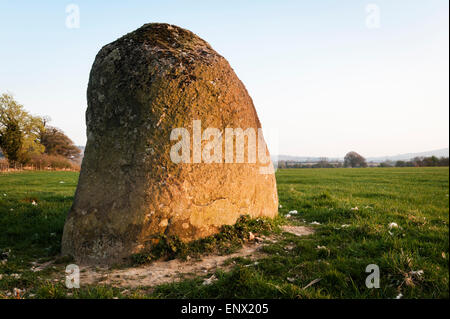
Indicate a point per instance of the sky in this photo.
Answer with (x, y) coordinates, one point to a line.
(326, 76)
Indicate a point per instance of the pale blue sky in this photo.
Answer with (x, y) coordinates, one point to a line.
(316, 72)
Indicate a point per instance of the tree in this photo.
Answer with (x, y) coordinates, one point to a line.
(57, 143)
(401, 164)
(431, 161)
(323, 163)
(353, 159)
(417, 161)
(11, 141)
(19, 131)
(443, 161)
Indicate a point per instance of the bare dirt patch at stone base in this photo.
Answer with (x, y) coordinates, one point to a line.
(298, 230)
(160, 272)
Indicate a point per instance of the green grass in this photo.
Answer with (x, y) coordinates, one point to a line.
(414, 198)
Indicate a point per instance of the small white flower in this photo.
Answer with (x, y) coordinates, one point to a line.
(209, 281)
(293, 212)
(417, 273)
(17, 292)
(354, 208)
(281, 206)
(393, 225)
(345, 226)
(33, 203)
(399, 296)
(315, 223)
(288, 216)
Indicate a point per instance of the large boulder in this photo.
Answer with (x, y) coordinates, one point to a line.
(151, 95)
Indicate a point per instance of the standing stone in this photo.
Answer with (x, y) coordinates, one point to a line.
(130, 191)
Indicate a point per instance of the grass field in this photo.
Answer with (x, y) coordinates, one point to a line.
(350, 210)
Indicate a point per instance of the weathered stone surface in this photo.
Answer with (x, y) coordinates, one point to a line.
(130, 192)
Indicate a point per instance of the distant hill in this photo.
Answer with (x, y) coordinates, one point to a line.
(307, 159)
(443, 152)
